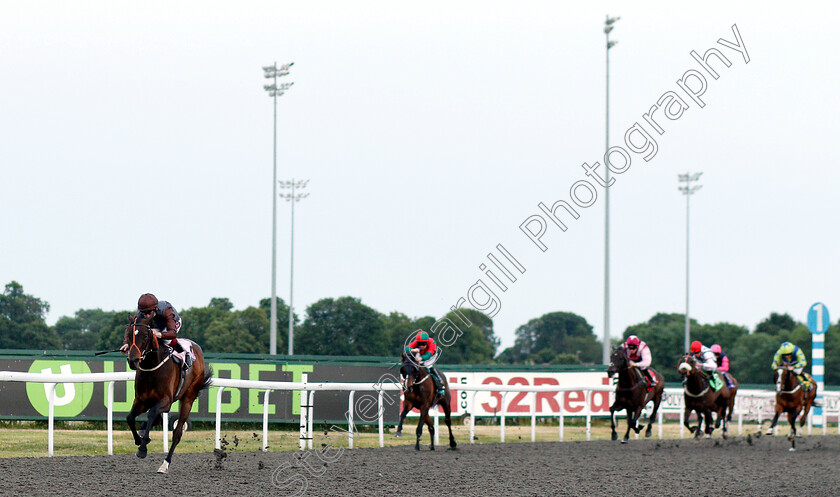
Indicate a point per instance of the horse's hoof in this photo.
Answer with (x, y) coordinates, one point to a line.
(141, 453)
(453, 445)
(769, 432)
(615, 436)
(792, 449)
(417, 447)
(648, 434)
(625, 440)
(397, 435)
(432, 447)
(708, 435)
(164, 468)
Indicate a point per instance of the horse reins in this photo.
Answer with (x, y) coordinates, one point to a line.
(705, 390)
(134, 345)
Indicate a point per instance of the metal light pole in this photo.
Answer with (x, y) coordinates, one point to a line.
(688, 190)
(608, 26)
(275, 91)
(293, 197)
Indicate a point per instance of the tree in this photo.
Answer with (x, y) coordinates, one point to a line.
(342, 326)
(22, 324)
(82, 331)
(542, 339)
(282, 321)
(477, 343)
(245, 331)
(776, 324)
(112, 334)
(665, 335)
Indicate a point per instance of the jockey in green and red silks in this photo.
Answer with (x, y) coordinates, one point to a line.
(423, 348)
(424, 344)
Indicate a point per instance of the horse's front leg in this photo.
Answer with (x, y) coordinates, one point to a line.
(775, 420)
(403, 414)
(792, 420)
(687, 420)
(431, 429)
(613, 409)
(631, 424)
(424, 413)
(709, 426)
(151, 418)
(130, 419)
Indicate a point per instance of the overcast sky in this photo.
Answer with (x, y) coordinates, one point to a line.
(136, 155)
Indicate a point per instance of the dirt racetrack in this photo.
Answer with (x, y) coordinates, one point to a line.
(740, 466)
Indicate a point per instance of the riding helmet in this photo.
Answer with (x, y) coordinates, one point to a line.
(422, 337)
(696, 346)
(633, 340)
(716, 349)
(786, 348)
(147, 302)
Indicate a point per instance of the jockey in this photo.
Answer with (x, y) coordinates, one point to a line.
(722, 363)
(708, 361)
(165, 324)
(790, 354)
(423, 348)
(638, 353)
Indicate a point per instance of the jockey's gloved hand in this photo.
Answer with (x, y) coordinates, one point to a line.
(124, 348)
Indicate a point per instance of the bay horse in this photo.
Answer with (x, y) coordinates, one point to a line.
(419, 392)
(792, 399)
(701, 398)
(632, 395)
(158, 383)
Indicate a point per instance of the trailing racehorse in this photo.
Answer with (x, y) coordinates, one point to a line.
(419, 392)
(632, 395)
(792, 399)
(702, 398)
(159, 382)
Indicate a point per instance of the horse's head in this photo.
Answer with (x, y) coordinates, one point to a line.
(618, 361)
(687, 365)
(408, 371)
(143, 339)
(784, 378)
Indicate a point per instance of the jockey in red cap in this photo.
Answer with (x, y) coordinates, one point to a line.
(638, 353)
(708, 362)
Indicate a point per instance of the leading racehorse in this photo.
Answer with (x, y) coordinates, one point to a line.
(702, 398)
(159, 382)
(791, 398)
(419, 392)
(632, 395)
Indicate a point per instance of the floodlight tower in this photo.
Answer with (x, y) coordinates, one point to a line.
(688, 190)
(293, 197)
(274, 91)
(608, 26)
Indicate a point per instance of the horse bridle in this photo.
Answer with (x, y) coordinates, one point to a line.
(414, 374)
(626, 366)
(148, 348)
(685, 387)
(779, 382)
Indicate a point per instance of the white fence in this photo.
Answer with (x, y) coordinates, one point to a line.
(751, 405)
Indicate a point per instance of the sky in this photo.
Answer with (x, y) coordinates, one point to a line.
(136, 155)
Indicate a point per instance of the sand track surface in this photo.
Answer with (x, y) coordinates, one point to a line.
(739, 466)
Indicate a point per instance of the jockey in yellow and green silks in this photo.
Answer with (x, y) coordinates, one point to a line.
(791, 355)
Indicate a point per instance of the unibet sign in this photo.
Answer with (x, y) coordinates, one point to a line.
(70, 398)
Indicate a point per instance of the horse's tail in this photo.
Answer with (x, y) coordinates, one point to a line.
(208, 378)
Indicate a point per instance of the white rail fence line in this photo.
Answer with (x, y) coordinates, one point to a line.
(750, 404)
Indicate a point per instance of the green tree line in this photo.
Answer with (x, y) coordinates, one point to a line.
(345, 326)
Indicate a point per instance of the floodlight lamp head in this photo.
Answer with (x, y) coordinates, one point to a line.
(611, 20)
(269, 68)
(611, 44)
(608, 29)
